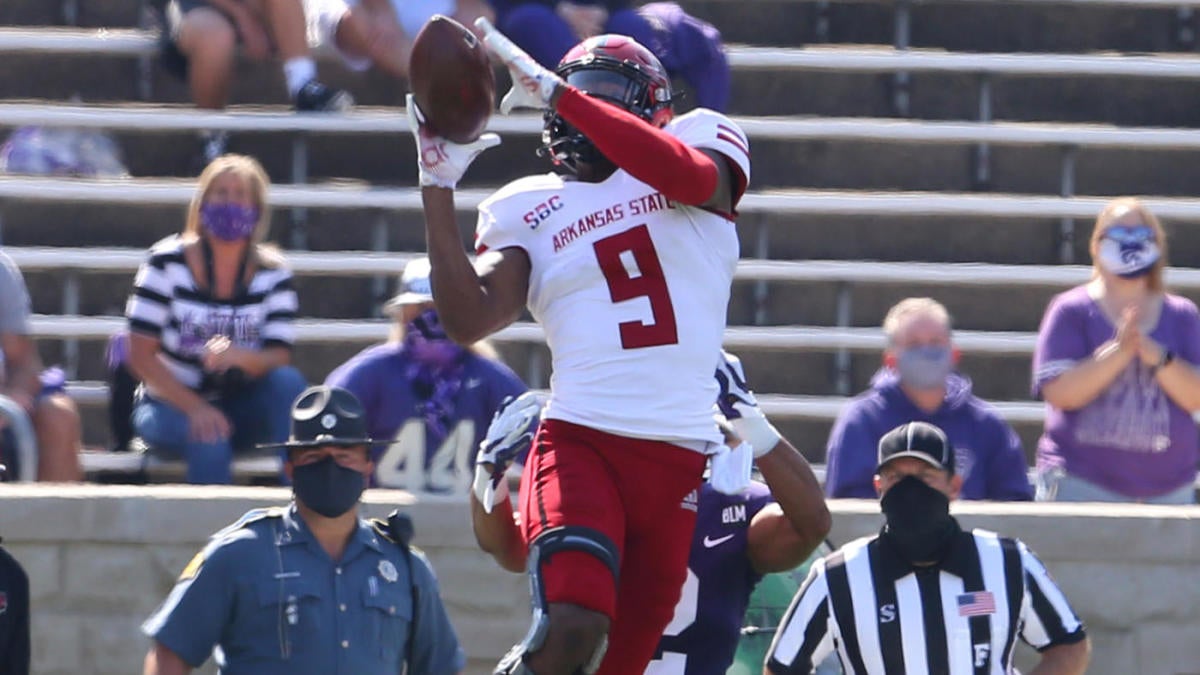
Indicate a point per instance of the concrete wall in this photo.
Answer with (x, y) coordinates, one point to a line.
(101, 557)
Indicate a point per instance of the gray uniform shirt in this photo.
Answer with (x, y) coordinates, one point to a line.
(267, 594)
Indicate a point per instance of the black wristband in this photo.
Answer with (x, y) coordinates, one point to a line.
(1164, 359)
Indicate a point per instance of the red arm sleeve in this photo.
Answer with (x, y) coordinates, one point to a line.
(658, 159)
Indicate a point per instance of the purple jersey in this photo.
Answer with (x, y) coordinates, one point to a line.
(703, 635)
(444, 460)
(1132, 438)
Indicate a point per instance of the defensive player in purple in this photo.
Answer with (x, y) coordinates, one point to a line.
(738, 538)
(431, 397)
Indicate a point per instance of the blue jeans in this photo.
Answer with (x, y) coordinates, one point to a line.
(1056, 485)
(261, 413)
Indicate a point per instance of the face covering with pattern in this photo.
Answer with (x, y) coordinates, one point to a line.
(924, 367)
(435, 370)
(327, 487)
(1130, 258)
(228, 221)
(919, 525)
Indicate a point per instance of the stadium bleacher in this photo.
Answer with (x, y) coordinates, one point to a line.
(985, 181)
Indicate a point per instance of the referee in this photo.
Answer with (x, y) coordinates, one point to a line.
(924, 596)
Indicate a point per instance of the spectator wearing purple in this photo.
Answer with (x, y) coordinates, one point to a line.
(1116, 364)
(918, 382)
(431, 399)
(688, 47)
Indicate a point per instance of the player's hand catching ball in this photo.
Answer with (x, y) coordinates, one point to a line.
(440, 162)
(533, 85)
(508, 436)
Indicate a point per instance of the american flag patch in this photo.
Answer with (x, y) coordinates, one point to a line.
(979, 603)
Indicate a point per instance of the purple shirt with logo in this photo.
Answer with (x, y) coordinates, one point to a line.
(987, 452)
(445, 462)
(1132, 439)
(703, 635)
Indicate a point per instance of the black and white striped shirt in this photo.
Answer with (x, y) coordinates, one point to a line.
(167, 304)
(959, 617)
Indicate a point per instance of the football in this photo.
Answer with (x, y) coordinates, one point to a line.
(452, 80)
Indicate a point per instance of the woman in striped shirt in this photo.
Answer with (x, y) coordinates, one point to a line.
(210, 320)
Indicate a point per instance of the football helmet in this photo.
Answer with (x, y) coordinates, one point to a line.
(616, 69)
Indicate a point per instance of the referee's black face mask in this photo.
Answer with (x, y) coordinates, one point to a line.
(918, 520)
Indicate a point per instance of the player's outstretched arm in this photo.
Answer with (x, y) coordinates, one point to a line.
(658, 159)
(471, 304)
(784, 534)
(498, 535)
(508, 438)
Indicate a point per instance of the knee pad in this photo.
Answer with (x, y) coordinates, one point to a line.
(566, 538)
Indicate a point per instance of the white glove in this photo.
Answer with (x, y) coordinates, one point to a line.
(509, 435)
(533, 85)
(730, 468)
(440, 162)
(737, 403)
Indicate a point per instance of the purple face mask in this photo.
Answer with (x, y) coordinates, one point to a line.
(425, 339)
(228, 221)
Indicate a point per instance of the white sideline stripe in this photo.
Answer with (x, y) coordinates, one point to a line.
(151, 191)
(371, 263)
(44, 326)
(392, 120)
(134, 42)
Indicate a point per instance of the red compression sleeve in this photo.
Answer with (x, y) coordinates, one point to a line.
(658, 159)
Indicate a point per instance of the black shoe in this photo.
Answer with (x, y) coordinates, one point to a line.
(316, 97)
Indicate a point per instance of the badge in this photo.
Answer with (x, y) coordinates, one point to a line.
(328, 420)
(388, 571)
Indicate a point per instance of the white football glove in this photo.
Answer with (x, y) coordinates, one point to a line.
(738, 404)
(730, 468)
(533, 85)
(442, 163)
(509, 435)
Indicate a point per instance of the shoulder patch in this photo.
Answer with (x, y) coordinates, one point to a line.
(250, 517)
(193, 566)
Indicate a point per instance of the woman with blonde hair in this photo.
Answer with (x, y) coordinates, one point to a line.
(1116, 364)
(211, 334)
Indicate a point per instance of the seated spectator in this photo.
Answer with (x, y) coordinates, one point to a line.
(41, 394)
(210, 322)
(918, 382)
(1116, 364)
(381, 32)
(688, 48)
(199, 43)
(430, 397)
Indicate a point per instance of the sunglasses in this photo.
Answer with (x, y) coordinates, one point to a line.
(1129, 233)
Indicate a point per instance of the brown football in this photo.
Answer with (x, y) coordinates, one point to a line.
(452, 80)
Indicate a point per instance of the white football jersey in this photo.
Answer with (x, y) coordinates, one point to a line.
(631, 290)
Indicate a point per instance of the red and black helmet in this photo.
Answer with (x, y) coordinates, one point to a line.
(617, 69)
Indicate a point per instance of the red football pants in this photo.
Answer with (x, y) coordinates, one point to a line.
(633, 491)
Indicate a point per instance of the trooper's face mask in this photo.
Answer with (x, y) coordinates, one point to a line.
(918, 520)
(327, 487)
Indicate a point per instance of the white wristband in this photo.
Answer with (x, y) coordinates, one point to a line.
(757, 431)
(488, 495)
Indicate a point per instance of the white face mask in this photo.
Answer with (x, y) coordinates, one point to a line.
(1129, 258)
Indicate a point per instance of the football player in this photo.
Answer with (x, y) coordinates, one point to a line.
(625, 256)
(738, 537)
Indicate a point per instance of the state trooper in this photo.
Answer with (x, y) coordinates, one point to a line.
(310, 587)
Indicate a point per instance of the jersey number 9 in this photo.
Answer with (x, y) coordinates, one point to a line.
(634, 245)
